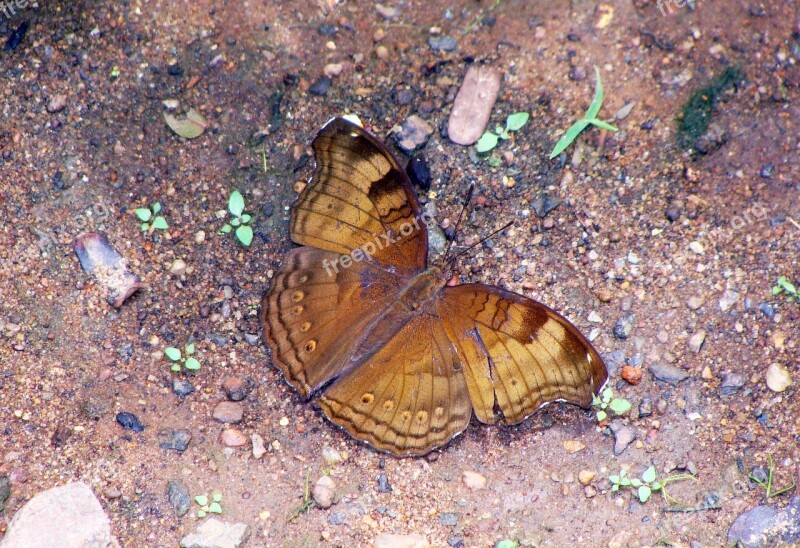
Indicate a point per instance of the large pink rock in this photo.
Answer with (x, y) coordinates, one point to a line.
(473, 104)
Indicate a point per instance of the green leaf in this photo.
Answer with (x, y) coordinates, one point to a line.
(246, 218)
(156, 208)
(160, 223)
(487, 142)
(202, 500)
(516, 121)
(507, 544)
(226, 228)
(656, 486)
(620, 406)
(192, 364)
(189, 348)
(494, 161)
(245, 235)
(236, 221)
(595, 400)
(788, 286)
(217, 497)
(176, 367)
(607, 395)
(173, 353)
(201, 513)
(215, 508)
(649, 475)
(568, 137)
(236, 203)
(594, 108)
(143, 213)
(777, 290)
(636, 482)
(601, 416)
(614, 479)
(615, 487)
(625, 482)
(504, 135)
(644, 493)
(145, 227)
(604, 125)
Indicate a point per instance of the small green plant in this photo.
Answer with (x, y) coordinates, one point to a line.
(647, 484)
(767, 485)
(209, 505)
(240, 220)
(783, 285)
(507, 543)
(605, 401)
(308, 502)
(151, 220)
(590, 118)
(490, 139)
(185, 358)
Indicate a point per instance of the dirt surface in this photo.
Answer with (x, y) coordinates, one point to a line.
(645, 226)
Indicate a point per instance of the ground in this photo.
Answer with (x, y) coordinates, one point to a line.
(647, 225)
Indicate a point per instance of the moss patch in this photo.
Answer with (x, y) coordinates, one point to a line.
(699, 108)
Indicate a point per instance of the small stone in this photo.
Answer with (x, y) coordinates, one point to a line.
(324, 491)
(633, 375)
(182, 387)
(217, 534)
(129, 421)
(625, 325)
(474, 480)
(178, 267)
(231, 437)
(259, 449)
(766, 170)
(57, 103)
(419, 172)
(697, 248)
(623, 436)
(332, 456)
(388, 13)
(623, 113)
(695, 303)
(333, 69)
(383, 484)
(668, 373)
(696, 341)
(403, 97)
(337, 518)
(645, 407)
(413, 134)
(449, 518)
(442, 43)
(178, 495)
(235, 388)
(767, 526)
(778, 378)
(284, 422)
(229, 412)
(729, 298)
(177, 440)
(573, 446)
(382, 52)
(200, 237)
(388, 540)
(585, 477)
(321, 86)
(707, 374)
(543, 204)
(473, 104)
(731, 383)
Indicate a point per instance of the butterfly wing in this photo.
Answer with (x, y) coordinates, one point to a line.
(314, 313)
(409, 397)
(360, 198)
(517, 354)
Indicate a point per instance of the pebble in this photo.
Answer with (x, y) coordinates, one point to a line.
(333, 69)
(442, 43)
(645, 407)
(235, 388)
(178, 267)
(778, 378)
(696, 341)
(413, 134)
(543, 204)
(231, 437)
(697, 248)
(259, 449)
(389, 540)
(383, 484)
(729, 298)
(474, 480)
(668, 373)
(321, 86)
(767, 526)
(177, 440)
(731, 384)
(473, 104)
(437, 241)
(129, 421)
(182, 387)
(449, 518)
(632, 375)
(623, 113)
(695, 303)
(332, 456)
(57, 103)
(217, 533)
(178, 495)
(624, 326)
(323, 492)
(573, 446)
(388, 13)
(419, 172)
(623, 437)
(229, 412)
(585, 477)
(337, 518)
(200, 237)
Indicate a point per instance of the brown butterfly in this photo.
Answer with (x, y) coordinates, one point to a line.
(357, 321)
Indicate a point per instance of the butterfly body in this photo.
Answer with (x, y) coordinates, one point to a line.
(357, 321)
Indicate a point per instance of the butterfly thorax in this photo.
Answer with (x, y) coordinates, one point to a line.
(422, 288)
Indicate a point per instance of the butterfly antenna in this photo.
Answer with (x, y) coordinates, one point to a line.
(476, 244)
(467, 199)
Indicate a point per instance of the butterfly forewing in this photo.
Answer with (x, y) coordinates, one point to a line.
(360, 198)
(517, 354)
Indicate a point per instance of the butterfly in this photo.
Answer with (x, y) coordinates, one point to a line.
(359, 323)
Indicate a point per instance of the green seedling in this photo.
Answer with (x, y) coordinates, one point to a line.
(209, 505)
(605, 401)
(590, 118)
(783, 285)
(647, 484)
(185, 358)
(768, 485)
(151, 220)
(240, 221)
(490, 139)
(308, 502)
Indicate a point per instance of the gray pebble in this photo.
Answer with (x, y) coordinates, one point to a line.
(178, 495)
(449, 518)
(337, 518)
(731, 384)
(442, 43)
(624, 326)
(177, 440)
(645, 407)
(383, 484)
(182, 387)
(668, 373)
(623, 437)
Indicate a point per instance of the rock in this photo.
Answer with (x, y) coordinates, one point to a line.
(474, 480)
(332, 456)
(403, 97)
(387, 540)
(668, 373)
(231, 437)
(767, 526)
(623, 113)
(178, 495)
(57, 103)
(388, 13)
(177, 440)
(728, 299)
(215, 533)
(229, 412)
(337, 518)
(182, 387)
(324, 491)
(64, 516)
(778, 378)
(413, 134)
(235, 388)
(624, 326)
(585, 477)
(645, 407)
(321, 86)
(449, 518)
(129, 421)
(696, 341)
(258, 446)
(473, 104)
(543, 204)
(573, 446)
(623, 436)
(714, 137)
(419, 172)
(442, 43)
(383, 484)
(333, 69)
(99, 259)
(178, 267)
(731, 384)
(632, 375)
(695, 303)
(437, 241)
